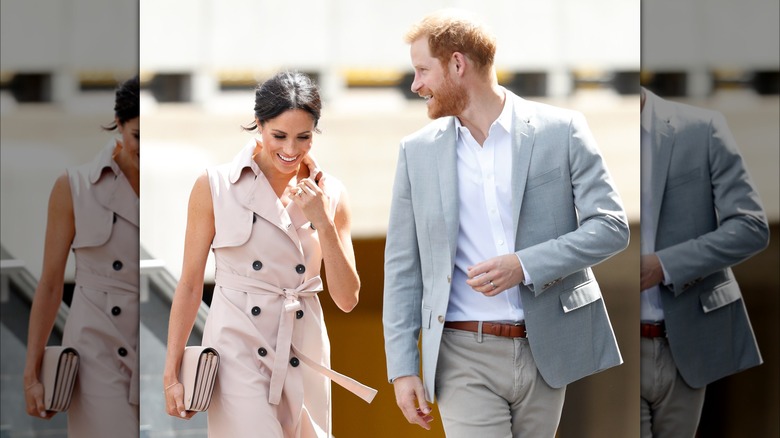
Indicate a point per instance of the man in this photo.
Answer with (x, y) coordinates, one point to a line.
(500, 207)
(700, 215)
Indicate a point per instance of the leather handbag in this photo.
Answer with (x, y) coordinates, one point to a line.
(59, 369)
(198, 373)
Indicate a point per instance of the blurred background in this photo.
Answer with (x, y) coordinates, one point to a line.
(199, 61)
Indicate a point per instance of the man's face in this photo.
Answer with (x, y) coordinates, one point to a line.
(432, 81)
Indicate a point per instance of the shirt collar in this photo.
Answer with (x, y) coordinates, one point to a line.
(244, 159)
(504, 119)
(105, 159)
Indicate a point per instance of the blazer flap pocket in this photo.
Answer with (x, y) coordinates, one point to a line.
(721, 295)
(426, 318)
(538, 180)
(581, 295)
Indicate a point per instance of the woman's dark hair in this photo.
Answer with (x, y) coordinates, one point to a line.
(127, 102)
(286, 91)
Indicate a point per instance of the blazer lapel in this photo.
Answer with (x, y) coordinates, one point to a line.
(522, 146)
(447, 166)
(663, 142)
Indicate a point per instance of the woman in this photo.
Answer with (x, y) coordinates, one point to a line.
(271, 221)
(93, 209)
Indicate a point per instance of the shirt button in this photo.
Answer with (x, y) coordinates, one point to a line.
(262, 351)
(299, 314)
(294, 362)
(116, 310)
(257, 265)
(117, 265)
(122, 351)
(500, 242)
(441, 318)
(300, 269)
(255, 310)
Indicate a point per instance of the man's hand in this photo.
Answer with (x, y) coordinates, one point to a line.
(495, 275)
(409, 394)
(651, 271)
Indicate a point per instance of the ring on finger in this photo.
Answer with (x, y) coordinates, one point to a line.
(299, 192)
(492, 284)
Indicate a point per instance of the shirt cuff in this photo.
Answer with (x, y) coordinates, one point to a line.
(667, 281)
(526, 278)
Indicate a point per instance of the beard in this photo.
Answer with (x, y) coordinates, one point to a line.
(449, 100)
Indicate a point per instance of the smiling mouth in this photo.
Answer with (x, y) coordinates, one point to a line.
(287, 159)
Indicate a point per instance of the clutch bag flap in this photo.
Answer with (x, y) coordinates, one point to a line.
(59, 369)
(198, 374)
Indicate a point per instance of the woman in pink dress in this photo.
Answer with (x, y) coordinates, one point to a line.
(93, 210)
(271, 221)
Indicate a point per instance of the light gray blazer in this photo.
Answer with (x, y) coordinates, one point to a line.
(568, 218)
(708, 217)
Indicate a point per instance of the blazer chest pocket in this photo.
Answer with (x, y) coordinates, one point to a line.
(581, 295)
(686, 177)
(540, 180)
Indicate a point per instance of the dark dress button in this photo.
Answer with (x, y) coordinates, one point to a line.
(294, 362)
(299, 314)
(117, 265)
(300, 269)
(122, 352)
(116, 310)
(114, 217)
(257, 265)
(254, 218)
(262, 351)
(255, 310)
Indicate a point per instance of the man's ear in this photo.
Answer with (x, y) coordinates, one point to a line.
(458, 62)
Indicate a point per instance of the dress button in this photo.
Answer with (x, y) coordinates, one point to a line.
(299, 314)
(114, 221)
(117, 265)
(294, 362)
(255, 310)
(122, 351)
(254, 218)
(262, 351)
(300, 269)
(257, 265)
(116, 310)
(441, 318)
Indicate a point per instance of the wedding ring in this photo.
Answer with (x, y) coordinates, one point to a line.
(299, 192)
(491, 283)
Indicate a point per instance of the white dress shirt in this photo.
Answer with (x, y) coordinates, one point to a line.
(651, 308)
(485, 209)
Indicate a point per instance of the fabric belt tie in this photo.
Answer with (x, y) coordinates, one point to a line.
(506, 330)
(284, 343)
(653, 330)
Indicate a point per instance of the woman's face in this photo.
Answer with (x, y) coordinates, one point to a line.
(286, 140)
(130, 137)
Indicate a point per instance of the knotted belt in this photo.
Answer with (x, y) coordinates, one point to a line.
(284, 343)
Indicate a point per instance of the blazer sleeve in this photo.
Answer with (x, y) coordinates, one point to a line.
(742, 226)
(603, 227)
(403, 288)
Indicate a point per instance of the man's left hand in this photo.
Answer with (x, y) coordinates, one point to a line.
(495, 275)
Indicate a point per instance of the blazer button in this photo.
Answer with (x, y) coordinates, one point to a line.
(117, 265)
(116, 310)
(262, 351)
(300, 269)
(294, 362)
(122, 351)
(257, 265)
(299, 314)
(449, 279)
(441, 318)
(255, 310)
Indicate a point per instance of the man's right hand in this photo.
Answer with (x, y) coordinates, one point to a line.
(410, 397)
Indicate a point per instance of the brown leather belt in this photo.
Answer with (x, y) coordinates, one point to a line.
(657, 330)
(489, 328)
